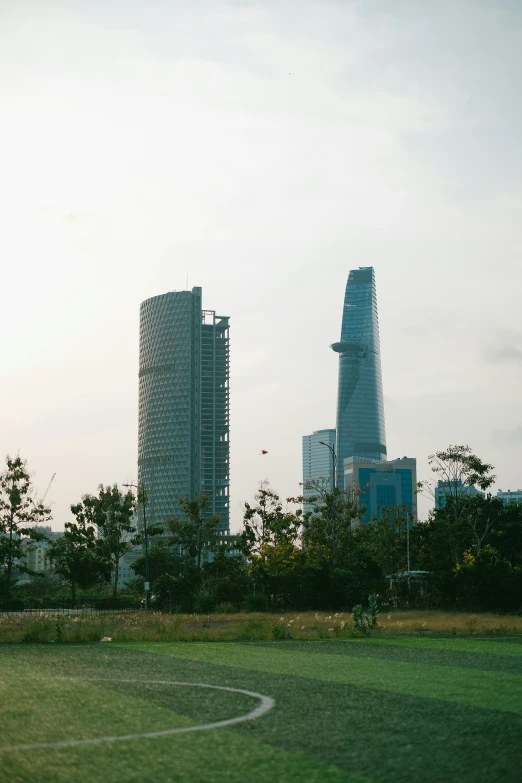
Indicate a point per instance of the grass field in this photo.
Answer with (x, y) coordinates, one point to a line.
(380, 709)
(164, 627)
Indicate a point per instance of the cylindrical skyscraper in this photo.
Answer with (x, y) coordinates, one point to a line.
(360, 407)
(183, 435)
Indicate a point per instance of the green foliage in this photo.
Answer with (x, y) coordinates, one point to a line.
(372, 613)
(19, 516)
(328, 528)
(470, 551)
(112, 512)
(281, 632)
(366, 620)
(225, 608)
(78, 558)
(359, 619)
(204, 601)
(266, 524)
(256, 602)
(195, 534)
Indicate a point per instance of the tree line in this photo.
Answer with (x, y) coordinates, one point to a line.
(466, 555)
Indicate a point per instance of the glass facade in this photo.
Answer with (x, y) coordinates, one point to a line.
(183, 431)
(377, 485)
(360, 407)
(317, 462)
(510, 496)
(453, 489)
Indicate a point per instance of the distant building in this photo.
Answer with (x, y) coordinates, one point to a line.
(453, 489)
(376, 485)
(510, 496)
(183, 440)
(360, 408)
(125, 572)
(318, 462)
(36, 556)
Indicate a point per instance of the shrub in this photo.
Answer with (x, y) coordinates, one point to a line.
(280, 632)
(225, 608)
(365, 621)
(359, 620)
(39, 632)
(204, 602)
(255, 602)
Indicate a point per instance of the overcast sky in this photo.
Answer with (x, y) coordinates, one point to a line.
(263, 149)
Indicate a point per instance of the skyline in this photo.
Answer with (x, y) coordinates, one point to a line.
(264, 154)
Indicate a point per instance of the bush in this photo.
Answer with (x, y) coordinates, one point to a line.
(280, 632)
(204, 602)
(255, 602)
(365, 621)
(225, 608)
(39, 632)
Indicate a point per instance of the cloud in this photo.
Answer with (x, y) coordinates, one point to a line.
(498, 353)
(511, 436)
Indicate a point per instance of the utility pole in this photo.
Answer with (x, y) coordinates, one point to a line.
(144, 500)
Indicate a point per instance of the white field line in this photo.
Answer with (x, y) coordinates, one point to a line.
(266, 704)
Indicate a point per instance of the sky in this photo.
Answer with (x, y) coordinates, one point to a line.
(260, 150)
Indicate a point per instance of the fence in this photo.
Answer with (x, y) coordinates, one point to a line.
(66, 607)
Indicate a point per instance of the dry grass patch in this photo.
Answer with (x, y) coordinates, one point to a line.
(462, 623)
(163, 627)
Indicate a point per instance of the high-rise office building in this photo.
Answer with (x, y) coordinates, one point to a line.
(183, 440)
(360, 408)
(318, 463)
(453, 489)
(509, 496)
(379, 485)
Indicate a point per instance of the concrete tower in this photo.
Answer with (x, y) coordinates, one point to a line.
(183, 438)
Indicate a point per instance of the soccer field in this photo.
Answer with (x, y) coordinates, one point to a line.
(394, 709)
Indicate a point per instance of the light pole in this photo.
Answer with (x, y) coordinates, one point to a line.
(334, 461)
(147, 583)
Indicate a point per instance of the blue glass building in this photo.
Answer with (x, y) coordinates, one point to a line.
(377, 485)
(360, 407)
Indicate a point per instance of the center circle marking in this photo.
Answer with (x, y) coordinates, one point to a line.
(265, 705)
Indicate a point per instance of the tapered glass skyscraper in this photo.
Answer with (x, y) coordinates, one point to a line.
(183, 440)
(360, 408)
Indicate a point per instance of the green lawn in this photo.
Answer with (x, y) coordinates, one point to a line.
(404, 709)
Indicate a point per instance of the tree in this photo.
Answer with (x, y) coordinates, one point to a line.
(385, 539)
(197, 534)
(488, 582)
(112, 514)
(457, 469)
(270, 539)
(19, 515)
(266, 522)
(77, 557)
(328, 527)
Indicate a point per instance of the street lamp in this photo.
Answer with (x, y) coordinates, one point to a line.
(147, 583)
(334, 461)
